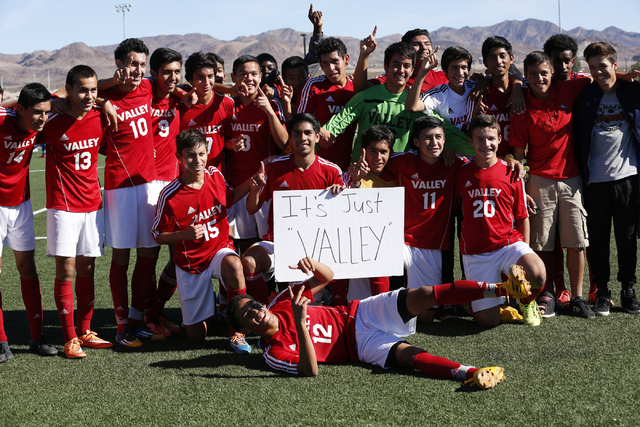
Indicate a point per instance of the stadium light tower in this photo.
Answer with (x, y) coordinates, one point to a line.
(559, 17)
(123, 8)
(304, 43)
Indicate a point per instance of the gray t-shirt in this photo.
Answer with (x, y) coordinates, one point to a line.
(613, 154)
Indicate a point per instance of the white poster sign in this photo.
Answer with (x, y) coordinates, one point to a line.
(359, 233)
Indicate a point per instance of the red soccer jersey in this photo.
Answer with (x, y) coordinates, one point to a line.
(492, 200)
(282, 174)
(323, 99)
(253, 123)
(130, 149)
(428, 198)
(179, 204)
(165, 121)
(213, 121)
(434, 78)
(17, 147)
(332, 331)
(498, 107)
(72, 161)
(545, 128)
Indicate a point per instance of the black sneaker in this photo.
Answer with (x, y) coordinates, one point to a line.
(42, 347)
(5, 352)
(629, 301)
(602, 305)
(546, 304)
(448, 312)
(579, 307)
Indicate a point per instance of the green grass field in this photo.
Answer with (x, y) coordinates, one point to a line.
(568, 371)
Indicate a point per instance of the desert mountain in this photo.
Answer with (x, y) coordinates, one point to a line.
(525, 36)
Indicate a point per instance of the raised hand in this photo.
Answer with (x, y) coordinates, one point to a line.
(259, 180)
(194, 231)
(316, 19)
(368, 44)
(306, 265)
(431, 61)
(239, 143)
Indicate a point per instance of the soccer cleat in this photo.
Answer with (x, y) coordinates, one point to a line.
(172, 327)
(144, 333)
(127, 339)
(516, 285)
(547, 305)
(487, 378)
(73, 350)
(42, 347)
(5, 352)
(602, 305)
(629, 302)
(448, 312)
(580, 308)
(90, 339)
(509, 314)
(531, 315)
(159, 329)
(563, 299)
(239, 344)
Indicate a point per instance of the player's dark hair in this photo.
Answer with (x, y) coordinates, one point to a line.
(425, 122)
(215, 57)
(130, 45)
(163, 55)
(493, 43)
(189, 138)
(483, 121)
(80, 72)
(376, 134)
(241, 60)
(267, 57)
(303, 117)
(33, 94)
(560, 42)
(455, 53)
(399, 48)
(601, 48)
(409, 35)
(294, 62)
(232, 307)
(196, 61)
(536, 58)
(331, 44)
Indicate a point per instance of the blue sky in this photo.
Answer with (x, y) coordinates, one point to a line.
(29, 25)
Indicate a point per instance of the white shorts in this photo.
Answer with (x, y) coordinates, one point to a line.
(424, 266)
(128, 215)
(247, 226)
(379, 327)
(197, 300)
(268, 246)
(16, 227)
(71, 234)
(487, 267)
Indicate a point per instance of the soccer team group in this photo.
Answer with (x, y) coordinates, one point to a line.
(194, 166)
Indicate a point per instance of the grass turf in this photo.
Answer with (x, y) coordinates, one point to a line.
(568, 371)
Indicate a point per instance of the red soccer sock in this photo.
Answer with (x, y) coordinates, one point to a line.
(464, 291)
(439, 366)
(166, 287)
(379, 285)
(230, 294)
(151, 311)
(118, 282)
(338, 289)
(143, 272)
(63, 296)
(85, 295)
(32, 297)
(3, 336)
(257, 287)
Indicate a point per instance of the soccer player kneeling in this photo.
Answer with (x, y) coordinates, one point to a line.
(192, 213)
